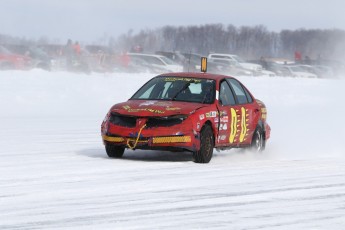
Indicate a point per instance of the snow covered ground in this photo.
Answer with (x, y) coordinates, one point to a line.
(54, 173)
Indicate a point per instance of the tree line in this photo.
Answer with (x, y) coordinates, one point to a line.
(250, 42)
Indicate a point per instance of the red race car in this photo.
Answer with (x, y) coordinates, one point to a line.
(194, 112)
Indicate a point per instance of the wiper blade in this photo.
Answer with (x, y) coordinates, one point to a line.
(185, 86)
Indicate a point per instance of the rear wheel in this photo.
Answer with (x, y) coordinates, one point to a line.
(114, 151)
(205, 153)
(258, 141)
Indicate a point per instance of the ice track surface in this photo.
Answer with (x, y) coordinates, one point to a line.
(54, 172)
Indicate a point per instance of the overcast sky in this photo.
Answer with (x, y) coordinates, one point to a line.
(89, 20)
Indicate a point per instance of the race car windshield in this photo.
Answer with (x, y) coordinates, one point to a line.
(178, 89)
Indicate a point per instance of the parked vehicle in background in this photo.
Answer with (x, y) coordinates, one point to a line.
(39, 58)
(273, 67)
(232, 67)
(278, 69)
(325, 71)
(193, 62)
(309, 69)
(240, 61)
(296, 71)
(175, 56)
(139, 65)
(10, 60)
(319, 71)
(281, 61)
(158, 61)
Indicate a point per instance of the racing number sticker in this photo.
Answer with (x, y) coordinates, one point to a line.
(235, 126)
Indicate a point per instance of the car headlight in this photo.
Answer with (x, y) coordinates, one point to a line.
(181, 117)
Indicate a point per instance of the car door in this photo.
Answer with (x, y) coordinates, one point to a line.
(235, 114)
(246, 110)
(229, 116)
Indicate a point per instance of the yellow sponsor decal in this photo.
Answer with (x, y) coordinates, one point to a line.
(233, 125)
(112, 139)
(239, 125)
(172, 108)
(243, 124)
(181, 79)
(178, 139)
(130, 110)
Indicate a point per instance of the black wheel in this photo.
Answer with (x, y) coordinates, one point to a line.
(114, 151)
(258, 141)
(205, 153)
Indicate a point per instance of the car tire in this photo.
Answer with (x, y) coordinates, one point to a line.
(114, 151)
(205, 153)
(258, 141)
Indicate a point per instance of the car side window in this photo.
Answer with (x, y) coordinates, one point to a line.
(225, 94)
(156, 61)
(151, 60)
(249, 98)
(243, 97)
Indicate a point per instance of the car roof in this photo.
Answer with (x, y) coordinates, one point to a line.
(195, 75)
(147, 55)
(223, 54)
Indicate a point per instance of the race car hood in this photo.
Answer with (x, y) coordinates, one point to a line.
(150, 108)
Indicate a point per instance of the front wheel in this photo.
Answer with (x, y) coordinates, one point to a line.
(114, 151)
(258, 141)
(205, 152)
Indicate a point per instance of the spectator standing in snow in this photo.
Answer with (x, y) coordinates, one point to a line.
(76, 48)
(124, 59)
(69, 54)
(298, 57)
(307, 60)
(263, 63)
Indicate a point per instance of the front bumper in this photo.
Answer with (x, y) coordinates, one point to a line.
(182, 142)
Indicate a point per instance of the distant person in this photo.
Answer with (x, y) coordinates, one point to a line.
(76, 48)
(298, 57)
(124, 59)
(69, 54)
(263, 62)
(307, 60)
